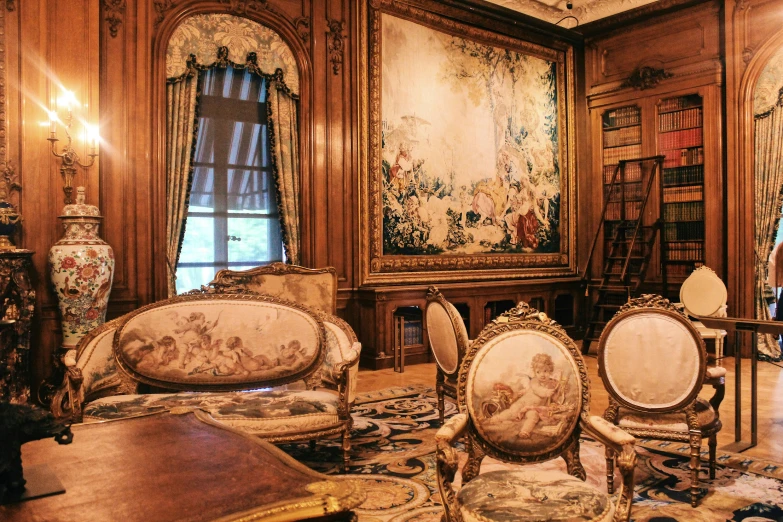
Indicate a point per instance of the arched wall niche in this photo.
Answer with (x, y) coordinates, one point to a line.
(289, 36)
(743, 257)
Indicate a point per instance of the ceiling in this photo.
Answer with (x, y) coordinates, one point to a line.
(584, 10)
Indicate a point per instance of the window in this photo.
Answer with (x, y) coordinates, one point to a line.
(232, 220)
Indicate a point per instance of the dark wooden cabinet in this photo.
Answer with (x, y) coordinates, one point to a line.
(17, 303)
(477, 302)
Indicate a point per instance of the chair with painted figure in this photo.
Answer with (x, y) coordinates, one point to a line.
(448, 339)
(653, 363)
(523, 397)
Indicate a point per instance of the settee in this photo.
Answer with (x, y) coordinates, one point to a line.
(252, 361)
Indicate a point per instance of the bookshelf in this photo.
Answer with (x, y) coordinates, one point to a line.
(621, 140)
(680, 139)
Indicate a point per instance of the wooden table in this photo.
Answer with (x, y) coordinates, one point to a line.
(167, 467)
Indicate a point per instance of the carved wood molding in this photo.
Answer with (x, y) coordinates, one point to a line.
(709, 68)
(335, 44)
(302, 25)
(3, 115)
(115, 10)
(645, 78)
(241, 7)
(10, 5)
(161, 8)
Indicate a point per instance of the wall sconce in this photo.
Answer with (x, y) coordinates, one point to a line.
(70, 159)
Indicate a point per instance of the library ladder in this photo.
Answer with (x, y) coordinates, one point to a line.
(628, 255)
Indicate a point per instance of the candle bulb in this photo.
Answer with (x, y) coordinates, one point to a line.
(52, 124)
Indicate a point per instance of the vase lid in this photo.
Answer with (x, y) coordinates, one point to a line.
(80, 208)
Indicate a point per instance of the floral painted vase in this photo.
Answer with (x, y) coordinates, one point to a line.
(81, 265)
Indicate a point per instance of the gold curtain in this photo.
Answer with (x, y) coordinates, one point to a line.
(768, 187)
(181, 96)
(284, 137)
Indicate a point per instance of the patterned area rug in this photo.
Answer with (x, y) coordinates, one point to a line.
(394, 455)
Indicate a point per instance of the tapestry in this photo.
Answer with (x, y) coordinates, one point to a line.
(470, 146)
(394, 456)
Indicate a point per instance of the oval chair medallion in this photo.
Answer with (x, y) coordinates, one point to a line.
(525, 400)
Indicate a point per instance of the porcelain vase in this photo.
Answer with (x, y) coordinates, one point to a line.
(81, 265)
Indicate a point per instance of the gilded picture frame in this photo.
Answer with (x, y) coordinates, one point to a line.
(443, 200)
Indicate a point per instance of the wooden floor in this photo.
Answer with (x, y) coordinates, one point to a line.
(770, 403)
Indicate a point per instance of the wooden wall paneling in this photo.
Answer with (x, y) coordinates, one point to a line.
(52, 43)
(125, 202)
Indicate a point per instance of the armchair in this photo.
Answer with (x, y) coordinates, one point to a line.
(448, 339)
(523, 396)
(653, 364)
(703, 293)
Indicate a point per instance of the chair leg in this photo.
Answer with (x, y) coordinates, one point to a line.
(695, 444)
(439, 391)
(610, 471)
(346, 449)
(713, 443)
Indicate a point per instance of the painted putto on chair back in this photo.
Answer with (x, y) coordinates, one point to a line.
(653, 364)
(523, 396)
(449, 340)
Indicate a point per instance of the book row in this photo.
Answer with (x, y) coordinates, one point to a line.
(613, 210)
(685, 251)
(682, 194)
(633, 191)
(412, 332)
(622, 116)
(623, 136)
(680, 120)
(683, 157)
(681, 270)
(680, 139)
(633, 173)
(612, 156)
(680, 175)
(682, 102)
(691, 211)
(683, 231)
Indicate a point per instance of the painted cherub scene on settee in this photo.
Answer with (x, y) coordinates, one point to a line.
(527, 405)
(193, 344)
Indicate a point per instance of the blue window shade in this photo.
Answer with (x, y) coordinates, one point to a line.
(232, 220)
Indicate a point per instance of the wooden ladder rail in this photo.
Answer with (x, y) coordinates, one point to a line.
(658, 160)
(600, 222)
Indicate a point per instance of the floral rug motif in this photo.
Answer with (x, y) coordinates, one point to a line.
(393, 453)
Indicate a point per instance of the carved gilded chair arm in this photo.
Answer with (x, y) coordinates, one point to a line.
(621, 446)
(607, 433)
(344, 374)
(447, 463)
(66, 402)
(716, 377)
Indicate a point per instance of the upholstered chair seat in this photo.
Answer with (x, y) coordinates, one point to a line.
(523, 397)
(653, 364)
(523, 495)
(449, 340)
(706, 419)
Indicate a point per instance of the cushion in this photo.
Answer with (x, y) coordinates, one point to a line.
(703, 293)
(524, 392)
(214, 340)
(443, 336)
(652, 359)
(95, 358)
(705, 416)
(259, 412)
(520, 494)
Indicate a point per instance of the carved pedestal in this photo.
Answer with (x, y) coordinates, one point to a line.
(17, 303)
